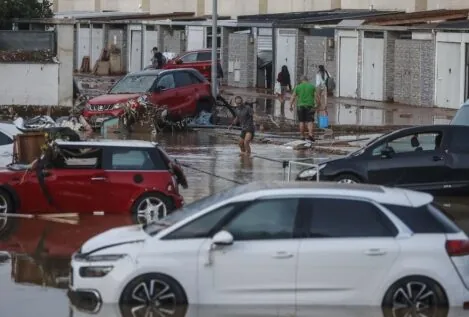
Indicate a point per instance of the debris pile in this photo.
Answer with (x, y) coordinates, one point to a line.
(38, 56)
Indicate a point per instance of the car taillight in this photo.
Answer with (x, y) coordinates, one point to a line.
(457, 247)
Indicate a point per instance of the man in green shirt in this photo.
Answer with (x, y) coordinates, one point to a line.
(304, 97)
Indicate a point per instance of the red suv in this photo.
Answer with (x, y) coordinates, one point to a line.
(108, 176)
(200, 60)
(184, 91)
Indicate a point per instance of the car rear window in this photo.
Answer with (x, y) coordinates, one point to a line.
(424, 219)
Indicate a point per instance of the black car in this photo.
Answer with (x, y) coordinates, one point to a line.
(427, 158)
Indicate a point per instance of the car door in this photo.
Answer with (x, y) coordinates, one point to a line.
(457, 153)
(128, 172)
(189, 60)
(414, 162)
(348, 247)
(260, 266)
(164, 92)
(6, 149)
(187, 91)
(204, 64)
(76, 184)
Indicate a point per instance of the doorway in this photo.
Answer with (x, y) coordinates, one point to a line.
(466, 84)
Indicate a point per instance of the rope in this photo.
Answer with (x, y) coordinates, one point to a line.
(212, 174)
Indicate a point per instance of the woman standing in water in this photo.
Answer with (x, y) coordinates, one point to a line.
(322, 76)
(285, 82)
(245, 117)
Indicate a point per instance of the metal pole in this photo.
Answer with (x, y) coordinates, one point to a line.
(214, 47)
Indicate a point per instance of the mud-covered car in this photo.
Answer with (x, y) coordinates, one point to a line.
(184, 92)
(106, 176)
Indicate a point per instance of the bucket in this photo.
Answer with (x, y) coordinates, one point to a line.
(323, 120)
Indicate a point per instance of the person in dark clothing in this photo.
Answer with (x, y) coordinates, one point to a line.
(285, 82)
(245, 117)
(158, 58)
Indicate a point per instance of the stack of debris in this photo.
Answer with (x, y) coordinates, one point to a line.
(108, 63)
(38, 56)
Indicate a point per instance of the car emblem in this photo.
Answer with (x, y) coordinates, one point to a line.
(100, 108)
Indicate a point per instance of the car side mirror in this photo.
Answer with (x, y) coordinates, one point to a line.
(386, 152)
(223, 238)
(178, 61)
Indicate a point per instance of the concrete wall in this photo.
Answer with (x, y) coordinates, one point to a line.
(389, 63)
(65, 55)
(407, 5)
(317, 52)
(447, 4)
(414, 72)
(172, 40)
(242, 56)
(279, 6)
(29, 84)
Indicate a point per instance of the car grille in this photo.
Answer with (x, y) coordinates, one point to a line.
(100, 107)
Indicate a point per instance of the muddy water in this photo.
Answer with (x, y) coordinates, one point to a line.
(33, 277)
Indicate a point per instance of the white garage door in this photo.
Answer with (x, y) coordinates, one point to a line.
(84, 36)
(136, 51)
(348, 63)
(97, 43)
(196, 38)
(264, 40)
(373, 69)
(448, 75)
(286, 52)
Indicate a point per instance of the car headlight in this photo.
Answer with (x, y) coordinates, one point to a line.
(104, 257)
(95, 271)
(310, 172)
(118, 106)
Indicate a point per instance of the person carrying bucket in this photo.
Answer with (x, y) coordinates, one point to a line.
(304, 98)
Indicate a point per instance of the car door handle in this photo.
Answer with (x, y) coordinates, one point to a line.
(282, 255)
(98, 178)
(437, 158)
(375, 252)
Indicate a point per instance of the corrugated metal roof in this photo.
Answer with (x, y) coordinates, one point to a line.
(419, 17)
(350, 23)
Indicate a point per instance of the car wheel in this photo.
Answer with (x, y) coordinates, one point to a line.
(151, 207)
(7, 224)
(415, 296)
(347, 179)
(153, 295)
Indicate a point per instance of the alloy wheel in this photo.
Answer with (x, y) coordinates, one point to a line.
(3, 211)
(153, 298)
(346, 181)
(151, 209)
(414, 299)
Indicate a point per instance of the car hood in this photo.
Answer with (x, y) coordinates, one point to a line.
(115, 237)
(112, 99)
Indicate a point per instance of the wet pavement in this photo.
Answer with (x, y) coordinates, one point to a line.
(33, 277)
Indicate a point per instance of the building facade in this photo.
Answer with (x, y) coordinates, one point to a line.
(247, 7)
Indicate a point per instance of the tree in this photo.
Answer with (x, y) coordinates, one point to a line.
(24, 9)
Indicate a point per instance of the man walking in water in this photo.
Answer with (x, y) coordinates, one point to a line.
(304, 99)
(245, 117)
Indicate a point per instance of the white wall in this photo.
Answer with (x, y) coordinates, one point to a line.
(447, 4)
(407, 5)
(280, 6)
(234, 8)
(169, 6)
(29, 84)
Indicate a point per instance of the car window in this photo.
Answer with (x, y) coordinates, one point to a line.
(5, 139)
(424, 219)
(202, 226)
(182, 79)
(462, 116)
(344, 218)
(204, 56)
(189, 58)
(459, 142)
(265, 219)
(417, 142)
(195, 79)
(128, 159)
(132, 84)
(166, 82)
(72, 158)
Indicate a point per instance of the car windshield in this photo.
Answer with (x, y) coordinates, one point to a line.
(462, 116)
(134, 84)
(187, 211)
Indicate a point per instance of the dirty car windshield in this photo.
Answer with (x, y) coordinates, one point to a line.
(133, 84)
(187, 211)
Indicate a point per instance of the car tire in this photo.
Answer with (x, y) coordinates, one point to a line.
(427, 298)
(155, 295)
(145, 209)
(347, 179)
(8, 225)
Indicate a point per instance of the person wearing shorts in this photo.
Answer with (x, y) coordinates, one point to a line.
(304, 97)
(245, 117)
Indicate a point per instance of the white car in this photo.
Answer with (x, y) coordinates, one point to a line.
(7, 132)
(284, 244)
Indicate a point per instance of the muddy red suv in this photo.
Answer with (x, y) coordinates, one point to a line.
(109, 176)
(184, 91)
(200, 60)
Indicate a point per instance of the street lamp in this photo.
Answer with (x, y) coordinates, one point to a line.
(214, 47)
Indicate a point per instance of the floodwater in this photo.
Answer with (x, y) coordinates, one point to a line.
(34, 264)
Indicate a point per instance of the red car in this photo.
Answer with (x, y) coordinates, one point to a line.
(200, 60)
(106, 176)
(184, 91)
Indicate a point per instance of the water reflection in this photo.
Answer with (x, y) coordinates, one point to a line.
(258, 311)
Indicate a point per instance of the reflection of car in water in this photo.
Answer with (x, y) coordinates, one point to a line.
(40, 249)
(428, 158)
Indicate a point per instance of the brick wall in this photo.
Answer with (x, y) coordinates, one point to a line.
(242, 54)
(300, 54)
(225, 51)
(360, 64)
(317, 52)
(389, 50)
(172, 40)
(414, 72)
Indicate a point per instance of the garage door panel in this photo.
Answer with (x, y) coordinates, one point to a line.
(348, 67)
(448, 75)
